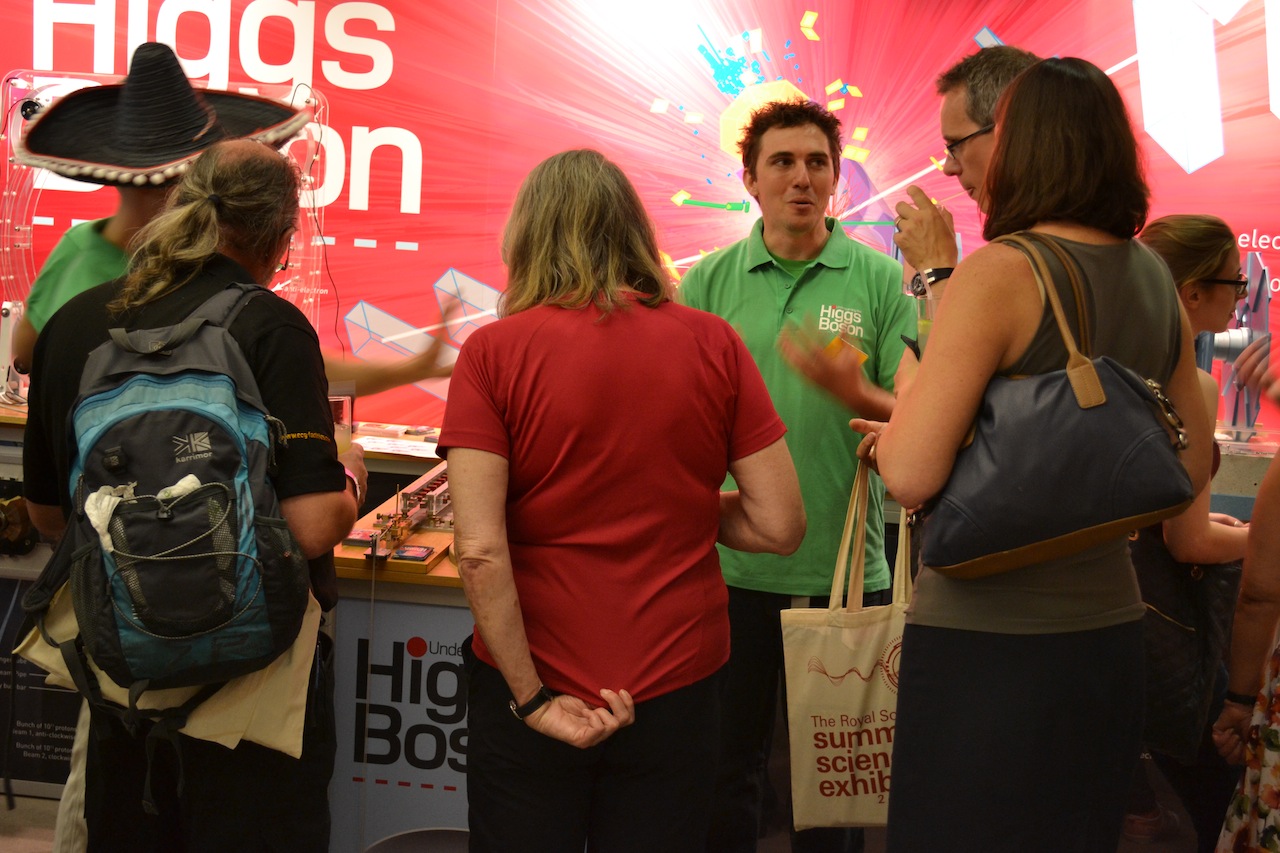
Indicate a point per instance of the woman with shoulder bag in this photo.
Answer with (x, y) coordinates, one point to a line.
(1031, 680)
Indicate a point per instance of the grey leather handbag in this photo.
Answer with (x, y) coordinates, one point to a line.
(1059, 462)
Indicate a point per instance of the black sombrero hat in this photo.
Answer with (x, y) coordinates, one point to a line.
(146, 129)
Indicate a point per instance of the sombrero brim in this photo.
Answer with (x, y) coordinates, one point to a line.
(82, 137)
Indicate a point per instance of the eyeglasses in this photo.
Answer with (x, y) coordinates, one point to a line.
(1241, 284)
(953, 147)
(288, 252)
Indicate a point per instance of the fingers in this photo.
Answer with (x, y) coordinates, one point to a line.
(866, 427)
(569, 719)
(947, 218)
(1252, 366)
(793, 352)
(871, 435)
(353, 457)
(922, 207)
(452, 309)
(433, 350)
(925, 232)
(621, 705)
(801, 350)
(1231, 732)
(596, 725)
(919, 196)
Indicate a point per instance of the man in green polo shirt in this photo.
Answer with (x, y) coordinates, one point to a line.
(797, 268)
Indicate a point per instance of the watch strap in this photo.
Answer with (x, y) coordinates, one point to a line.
(542, 697)
(930, 276)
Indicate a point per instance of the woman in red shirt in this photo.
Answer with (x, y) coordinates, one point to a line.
(588, 432)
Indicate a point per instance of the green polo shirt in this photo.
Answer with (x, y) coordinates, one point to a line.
(850, 286)
(82, 259)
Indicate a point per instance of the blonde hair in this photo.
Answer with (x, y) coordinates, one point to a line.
(1194, 246)
(237, 194)
(578, 235)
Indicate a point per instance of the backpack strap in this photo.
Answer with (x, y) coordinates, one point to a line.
(166, 724)
(221, 309)
(247, 293)
(166, 727)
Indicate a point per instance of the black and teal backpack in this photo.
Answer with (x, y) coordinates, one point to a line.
(181, 569)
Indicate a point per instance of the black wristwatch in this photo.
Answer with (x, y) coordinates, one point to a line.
(930, 276)
(542, 697)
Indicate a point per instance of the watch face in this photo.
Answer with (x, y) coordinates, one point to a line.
(917, 285)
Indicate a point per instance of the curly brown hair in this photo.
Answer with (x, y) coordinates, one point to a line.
(793, 113)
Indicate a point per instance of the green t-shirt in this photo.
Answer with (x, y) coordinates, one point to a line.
(82, 259)
(851, 287)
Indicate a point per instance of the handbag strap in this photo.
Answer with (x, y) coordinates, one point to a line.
(1081, 373)
(853, 547)
(902, 586)
(1075, 277)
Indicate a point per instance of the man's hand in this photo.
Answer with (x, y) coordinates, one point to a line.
(353, 460)
(834, 366)
(926, 233)
(569, 719)
(427, 364)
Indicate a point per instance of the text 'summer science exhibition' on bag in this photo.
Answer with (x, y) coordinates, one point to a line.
(842, 666)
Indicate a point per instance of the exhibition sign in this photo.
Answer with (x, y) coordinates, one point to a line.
(400, 707)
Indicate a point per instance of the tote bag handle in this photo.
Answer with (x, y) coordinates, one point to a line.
(853, 548)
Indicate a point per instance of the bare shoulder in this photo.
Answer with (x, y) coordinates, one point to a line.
(999, 271)
(1210, 391)
(993, 292)
(995, 256)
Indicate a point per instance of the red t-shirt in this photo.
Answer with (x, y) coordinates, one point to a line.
(618, 430)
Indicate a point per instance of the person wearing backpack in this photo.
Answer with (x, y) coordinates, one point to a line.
(227, 223)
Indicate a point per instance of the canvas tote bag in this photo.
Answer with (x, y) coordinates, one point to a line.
(842, 686)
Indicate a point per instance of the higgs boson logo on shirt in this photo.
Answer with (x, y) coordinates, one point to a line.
(835, 318)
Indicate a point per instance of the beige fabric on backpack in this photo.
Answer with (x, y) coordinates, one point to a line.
(267, 707)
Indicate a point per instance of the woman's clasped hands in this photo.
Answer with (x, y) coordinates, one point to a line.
(569, 719)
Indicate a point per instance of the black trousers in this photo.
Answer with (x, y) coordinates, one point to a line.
(249, 799)
(647, 789)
